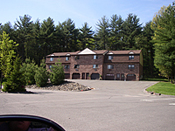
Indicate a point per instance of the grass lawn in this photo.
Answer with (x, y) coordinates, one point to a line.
(163, 87)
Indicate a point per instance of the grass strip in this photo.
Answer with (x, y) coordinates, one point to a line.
(166, 88)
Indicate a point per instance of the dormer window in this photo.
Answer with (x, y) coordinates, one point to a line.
(51, 58)
(95, 57)
(67, 58)
(110, 57)
(131, 57)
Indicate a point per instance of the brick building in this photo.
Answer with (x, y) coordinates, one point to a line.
(110, 65)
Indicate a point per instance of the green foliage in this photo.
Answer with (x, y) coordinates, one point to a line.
(29, 68)
(7, 53)
(41, 75)
(57, 74)
(164, 38)
(85, 37)
(15, 79)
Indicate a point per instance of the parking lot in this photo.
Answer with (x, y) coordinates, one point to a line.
(111, 105)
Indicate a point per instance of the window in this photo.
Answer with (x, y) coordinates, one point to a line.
(110, 57)
(95, 57)
(76, 66)
(110, 67)
(51, 58)
(50, 66)
(118, 75)
(131, 57)
(66, 67)
(76, 57)
(95, 66)
(67, 58)
(130, 66)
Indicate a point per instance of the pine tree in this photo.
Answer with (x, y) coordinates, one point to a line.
(103, 33)
(15, 79)
(57, 74)
(41, 75)
(85, 37)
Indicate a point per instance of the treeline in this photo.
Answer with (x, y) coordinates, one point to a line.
(38, 39)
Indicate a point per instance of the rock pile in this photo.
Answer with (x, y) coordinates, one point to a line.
(66, 86)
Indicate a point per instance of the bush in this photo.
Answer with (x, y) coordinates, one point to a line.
(15, 81)
(57, 74)
(29, 69)
(41, 75)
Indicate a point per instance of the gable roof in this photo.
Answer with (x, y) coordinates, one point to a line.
(86, 51)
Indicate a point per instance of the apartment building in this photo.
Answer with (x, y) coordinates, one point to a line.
(93, 64)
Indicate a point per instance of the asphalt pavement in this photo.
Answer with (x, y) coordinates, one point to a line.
(111, 105)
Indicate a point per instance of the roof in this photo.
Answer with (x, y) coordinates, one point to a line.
(125, 52)
(63, 53)
(88, 51)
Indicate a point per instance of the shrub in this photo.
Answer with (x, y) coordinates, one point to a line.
(29, 68)
(57, 74)
(41, 75)
(15, 81)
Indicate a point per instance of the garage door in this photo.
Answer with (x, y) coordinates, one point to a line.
(109, 76)
(95, 76)
(131, 77)
(75, 76)
(67, 75)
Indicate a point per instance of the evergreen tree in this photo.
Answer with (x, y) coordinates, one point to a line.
(103, 33)
(131, 29)
(23, 29)
(47, 37)
(7, 53)
(85, 37)
(15, 79)
(69, 36)
(29, 68)
(57, 74)
(115, 41)
(41, 75)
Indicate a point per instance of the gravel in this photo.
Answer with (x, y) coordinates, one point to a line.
(66, 86)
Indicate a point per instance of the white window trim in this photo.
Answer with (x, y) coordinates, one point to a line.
(95, 66)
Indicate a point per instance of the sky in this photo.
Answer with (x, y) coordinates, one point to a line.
(80, 11)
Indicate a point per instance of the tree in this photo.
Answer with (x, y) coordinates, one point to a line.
(15, 79)
(47, 37)
(7, 53)
(57, 74)
(29, 68)
(85, 37)
(130, 30)
(41, 75)
(115, 41)
(164, 38)
(23, 29)
(103, 33)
